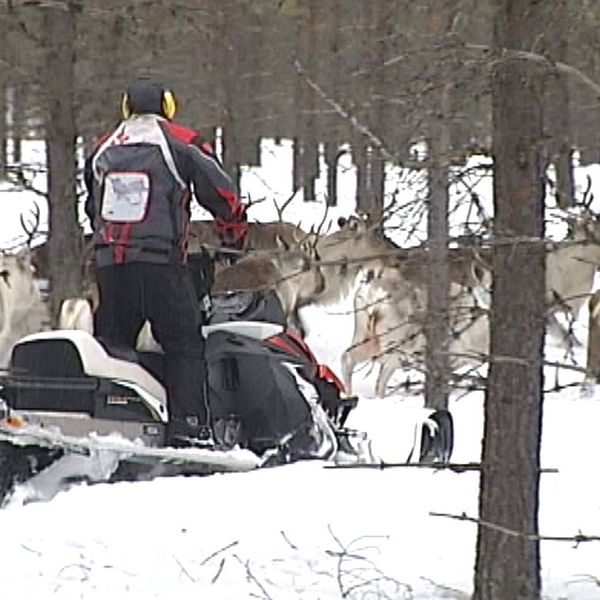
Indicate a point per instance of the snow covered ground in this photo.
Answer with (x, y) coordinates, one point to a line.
(308, 530)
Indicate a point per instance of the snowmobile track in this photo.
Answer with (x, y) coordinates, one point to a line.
(30, 451)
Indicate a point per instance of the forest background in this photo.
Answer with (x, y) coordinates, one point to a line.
(512, 80)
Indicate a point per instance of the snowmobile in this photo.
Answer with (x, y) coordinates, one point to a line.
(73, 408)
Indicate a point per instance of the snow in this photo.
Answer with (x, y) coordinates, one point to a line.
(308, 530)
(304, 530)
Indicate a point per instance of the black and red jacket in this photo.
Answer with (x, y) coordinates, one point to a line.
(140, 179)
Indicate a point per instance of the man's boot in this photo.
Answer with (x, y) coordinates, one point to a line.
(188, 432)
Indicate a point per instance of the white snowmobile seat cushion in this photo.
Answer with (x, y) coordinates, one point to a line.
(97, 362)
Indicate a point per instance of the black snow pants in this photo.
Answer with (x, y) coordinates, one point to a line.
(164, 294)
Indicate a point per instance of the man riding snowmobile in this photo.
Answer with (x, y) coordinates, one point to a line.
(140, 179)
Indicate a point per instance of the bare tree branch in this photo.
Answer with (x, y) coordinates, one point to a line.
(339, 109)
(540, 58)
(455, 467)
(577, 539)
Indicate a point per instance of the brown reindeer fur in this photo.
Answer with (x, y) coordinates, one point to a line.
(251, 273)
(292, 272)
(260, 236)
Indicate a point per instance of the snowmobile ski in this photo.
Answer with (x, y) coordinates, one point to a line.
(46, 461)
(213, 458)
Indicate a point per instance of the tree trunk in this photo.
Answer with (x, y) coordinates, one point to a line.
(508, 559)
(306, 148)
(333, 153)
(437, 333)
(305, 161)
(228, 26)
(17, 126)
(4, 135)
(557, 118)
(360, 159)
(384, 21)
(304, 168)
(437, 329)
(250, 51)
(65, 236)
(334, 77)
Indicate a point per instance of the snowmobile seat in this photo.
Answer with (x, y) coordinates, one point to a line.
(121, 351)
(153, 362)
(90, 358)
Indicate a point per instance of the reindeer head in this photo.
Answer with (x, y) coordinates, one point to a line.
(299, 264)
(357, 244)
(18, 290)
(583, 225)
(353, 226)
(362, 231)
(583, 222)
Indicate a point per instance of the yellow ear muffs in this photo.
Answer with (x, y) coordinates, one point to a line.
(169, 106)
(125, 107)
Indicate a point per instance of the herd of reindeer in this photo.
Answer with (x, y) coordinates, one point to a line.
(389, 284)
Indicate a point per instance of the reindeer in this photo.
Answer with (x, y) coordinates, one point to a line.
(259, 237)
(385, 330)
(76, 313)
(336, 258)
(358, 245)
(22, 309)
(570, 270)
(293, 273)
(593, 346)
(571, 267)
(390, 314)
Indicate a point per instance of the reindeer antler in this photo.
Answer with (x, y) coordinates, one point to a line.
(281, 208)
(317, 231)
(588, 196)
(253, 202)
(32, 226)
